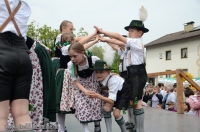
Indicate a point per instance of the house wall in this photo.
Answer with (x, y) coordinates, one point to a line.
(155, 64)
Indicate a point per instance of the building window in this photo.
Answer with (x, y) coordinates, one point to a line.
(160, 55)
(168, 76)
(185, 70)
(168, 55)
(184, 53)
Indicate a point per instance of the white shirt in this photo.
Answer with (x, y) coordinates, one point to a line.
(58, 38)
(115, 84)
(136, 51)
(123, 57)
(80, 68)
(64, 50)
(164, 93)
(171, 97)
(21, 17)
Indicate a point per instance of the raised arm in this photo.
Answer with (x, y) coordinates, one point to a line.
(115, 47)
(112, 35)
(87, 38)
(77, 39)
(113, 41)
(86, 46)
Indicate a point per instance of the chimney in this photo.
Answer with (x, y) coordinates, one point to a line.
(188, 26)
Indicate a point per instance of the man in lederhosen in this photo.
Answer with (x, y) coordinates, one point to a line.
(15, 64)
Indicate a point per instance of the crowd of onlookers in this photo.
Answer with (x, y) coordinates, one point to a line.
(165, 97)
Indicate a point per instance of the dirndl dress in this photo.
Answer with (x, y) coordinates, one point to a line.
(88, 109)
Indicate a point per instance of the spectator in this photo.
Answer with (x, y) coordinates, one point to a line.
(148, 91)
(160, 106)
(155, 98)
(193, 100)
(171, 106)
(169, 97)
(187, 109)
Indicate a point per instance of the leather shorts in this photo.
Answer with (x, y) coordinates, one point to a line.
(15, 68)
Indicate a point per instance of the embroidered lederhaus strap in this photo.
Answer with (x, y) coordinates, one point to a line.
(11, 17)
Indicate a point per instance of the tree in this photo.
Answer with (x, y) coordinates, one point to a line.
(82, 32)
(98, 51)
(33, 30)
(46, 34)
(115, 64)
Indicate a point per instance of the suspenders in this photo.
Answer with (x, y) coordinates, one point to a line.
(11, 17)
(129, 57)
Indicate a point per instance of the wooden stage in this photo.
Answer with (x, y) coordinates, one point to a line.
(156, 120)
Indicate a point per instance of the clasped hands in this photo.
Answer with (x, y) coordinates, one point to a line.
(91, 94)
(97, 37)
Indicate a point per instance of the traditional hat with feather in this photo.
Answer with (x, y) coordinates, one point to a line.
(101, 65)
(139, 24)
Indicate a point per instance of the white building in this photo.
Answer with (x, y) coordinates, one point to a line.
(180, 50)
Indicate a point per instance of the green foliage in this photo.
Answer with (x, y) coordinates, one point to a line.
(46, 34)
(82, 32)
(98, 51)
(33, 30)
(115, 64)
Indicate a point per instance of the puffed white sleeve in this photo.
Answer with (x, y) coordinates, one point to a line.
(134, 44)
(113, 86)
(64, 50)
(94, 59)
(69, 70)
(58, 38)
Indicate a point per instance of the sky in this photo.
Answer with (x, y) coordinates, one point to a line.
(164, 16)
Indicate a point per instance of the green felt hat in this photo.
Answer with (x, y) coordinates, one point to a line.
(138, 24)
(101, 65)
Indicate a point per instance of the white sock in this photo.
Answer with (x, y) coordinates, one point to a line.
(61, 122)
(85, 127)
(132, 116)
(129, 114)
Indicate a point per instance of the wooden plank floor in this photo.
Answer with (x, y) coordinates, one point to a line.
(156, 120)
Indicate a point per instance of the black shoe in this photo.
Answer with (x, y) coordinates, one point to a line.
(130, 126)
(127, 123)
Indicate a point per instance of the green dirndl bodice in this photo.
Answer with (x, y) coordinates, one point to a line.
(49, 101)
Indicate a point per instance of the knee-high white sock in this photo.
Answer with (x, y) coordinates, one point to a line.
(108, 122)
(139, 120)
(121, 123)
(129, 114)
(97, 127)
(61, 122)
(85, 127)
